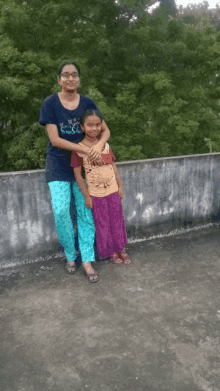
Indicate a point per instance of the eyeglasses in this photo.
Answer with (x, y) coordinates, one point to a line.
(67, 75)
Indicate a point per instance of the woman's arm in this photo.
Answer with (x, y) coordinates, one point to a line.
(82, 186)
(104, 135)
(118, 180)
(64, 144)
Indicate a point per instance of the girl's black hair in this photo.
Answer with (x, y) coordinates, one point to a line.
(89, 112)
(67, 62)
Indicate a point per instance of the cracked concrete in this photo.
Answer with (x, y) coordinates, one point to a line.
(153, 325)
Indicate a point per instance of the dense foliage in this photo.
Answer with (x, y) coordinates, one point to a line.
(155, 76)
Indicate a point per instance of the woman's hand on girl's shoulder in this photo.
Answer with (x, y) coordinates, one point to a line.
(95, 155)
(88, 202)
(93, 158)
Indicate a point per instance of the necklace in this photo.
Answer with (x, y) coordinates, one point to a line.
(83, 142)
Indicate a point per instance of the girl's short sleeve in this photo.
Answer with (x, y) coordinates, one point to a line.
(76, 161)
(112, 154)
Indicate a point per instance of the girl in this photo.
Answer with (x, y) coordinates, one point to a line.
(60, 114)
(103, 193)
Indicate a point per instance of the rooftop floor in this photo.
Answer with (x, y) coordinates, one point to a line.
(153, 325)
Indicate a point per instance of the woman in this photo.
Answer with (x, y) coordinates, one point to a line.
(61, 113)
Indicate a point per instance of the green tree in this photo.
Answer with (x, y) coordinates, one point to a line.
(154, 76)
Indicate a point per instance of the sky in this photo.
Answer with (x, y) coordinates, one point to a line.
(212, 3)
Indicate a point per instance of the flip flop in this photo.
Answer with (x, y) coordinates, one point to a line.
(73, 267)
(124, 256)
(91, 275)
(116, 259)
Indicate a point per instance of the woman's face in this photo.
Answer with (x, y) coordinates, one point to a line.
(69, 78)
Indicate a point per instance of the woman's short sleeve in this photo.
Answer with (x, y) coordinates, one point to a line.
(47, 115)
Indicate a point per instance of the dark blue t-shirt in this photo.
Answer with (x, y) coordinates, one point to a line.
(57, 165)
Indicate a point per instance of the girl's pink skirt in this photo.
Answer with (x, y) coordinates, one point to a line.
(109, 223)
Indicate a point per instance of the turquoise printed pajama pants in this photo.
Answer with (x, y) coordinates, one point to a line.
(60, 192)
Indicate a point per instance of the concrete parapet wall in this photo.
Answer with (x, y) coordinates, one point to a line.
(160, 195)
(26, 218)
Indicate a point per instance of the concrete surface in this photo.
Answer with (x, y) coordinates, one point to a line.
(153, 325)
(160, 196)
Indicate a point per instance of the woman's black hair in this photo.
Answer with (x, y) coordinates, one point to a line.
(90, 112)
(67, 62)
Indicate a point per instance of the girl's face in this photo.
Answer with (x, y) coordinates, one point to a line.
(92, 126)
(69, 78)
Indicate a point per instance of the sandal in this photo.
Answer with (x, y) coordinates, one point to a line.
(124, 257)
(92, 277)
(115, 258)
(70, 269)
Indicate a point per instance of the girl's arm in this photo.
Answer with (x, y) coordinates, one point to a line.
(82, 186)
(118, 180)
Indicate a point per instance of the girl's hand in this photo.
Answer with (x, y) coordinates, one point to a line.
(88, 202)
(95, 155)
(120, 192)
